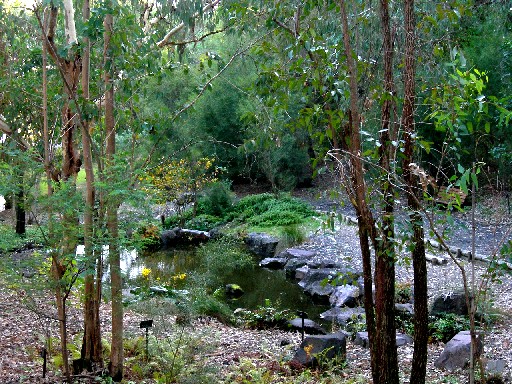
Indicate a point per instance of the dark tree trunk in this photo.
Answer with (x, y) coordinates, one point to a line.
(419, 361)
(384, 245)
(116, 353)
(20, 211)
(8, 201)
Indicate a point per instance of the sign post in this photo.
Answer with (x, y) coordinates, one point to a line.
(146, 324)
(303, 315)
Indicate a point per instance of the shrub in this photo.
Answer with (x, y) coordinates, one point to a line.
(265, 316)
(403, 292)
(292, 235)
(443, 327)
(148, 237)
(204, 304)
(203, 222)
(220, 258)
(217, 200)
(267, 210)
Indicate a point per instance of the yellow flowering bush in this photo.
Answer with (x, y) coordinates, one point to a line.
(146, 272)
(172, 179)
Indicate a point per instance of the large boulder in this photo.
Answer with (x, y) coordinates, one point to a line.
(457, 352)
(363, 340)
(261, 244)
(292, 266)
(179, 236)
(316, 349)
(273, 262)
(320, 283)
(343, 316)
(297, 253)
(319, 291)
(345, 296)
(454, 302)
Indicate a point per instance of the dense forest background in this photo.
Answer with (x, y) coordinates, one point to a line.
(107, 105)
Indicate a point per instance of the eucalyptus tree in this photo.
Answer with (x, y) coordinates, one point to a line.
(343, 76)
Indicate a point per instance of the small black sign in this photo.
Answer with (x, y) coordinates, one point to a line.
(302, 314)
(146, 324)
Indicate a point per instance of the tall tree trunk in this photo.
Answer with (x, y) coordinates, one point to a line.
(19, 206)
(384, 246)
(70, 73)
(414, 194)
(91, 346)
(116, 354)
(358, 191)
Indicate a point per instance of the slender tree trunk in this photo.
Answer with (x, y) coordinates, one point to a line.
(91, 346)
(19, 206)
(116, 354)
(414, 194)
(358, 191)
(58, 273)
(70, 72)
(384, 246)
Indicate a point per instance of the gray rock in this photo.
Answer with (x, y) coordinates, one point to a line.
(319, 291)
(169, 237)
(327, 346)
(310, 327)
(273, 262)
(158, 290)
(178, 236)
(454, 302)
(323, 263)
(261, 244)
(436, 260)
(291, 267)
(403, 339)
(317, 275)
(297, 253)
(345, 296)
(404, 309)
(363, 340)
(300, 273)
(457, 352)
(320, 283)
(343, 316)
(495, 367)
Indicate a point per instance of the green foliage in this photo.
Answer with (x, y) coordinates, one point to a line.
(445, 326)
(291, 235)
(147, 237)
(267, 210)
(217, 200)
(265, 316)
(10, 241)
(204, 304)
(220, 258)
(203, 222)
(403, 292)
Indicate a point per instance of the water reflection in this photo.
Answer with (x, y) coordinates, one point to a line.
(259, 284)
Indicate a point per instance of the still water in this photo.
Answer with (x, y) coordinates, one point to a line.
(259, 284)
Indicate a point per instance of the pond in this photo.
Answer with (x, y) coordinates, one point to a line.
(259, 284)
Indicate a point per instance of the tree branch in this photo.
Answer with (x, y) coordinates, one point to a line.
(179, 27)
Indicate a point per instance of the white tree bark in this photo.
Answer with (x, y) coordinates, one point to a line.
(69, 22)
